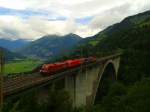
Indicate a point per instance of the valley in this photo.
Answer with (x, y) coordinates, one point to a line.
(129, 38)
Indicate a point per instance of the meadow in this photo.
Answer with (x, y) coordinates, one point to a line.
(21, 66)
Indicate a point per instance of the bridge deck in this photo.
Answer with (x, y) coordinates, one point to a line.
(20, 83)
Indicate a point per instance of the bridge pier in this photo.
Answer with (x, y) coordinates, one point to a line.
(83, 86)
(70, 85)
(80, 86)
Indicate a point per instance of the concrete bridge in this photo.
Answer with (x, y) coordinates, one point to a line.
(83, 83)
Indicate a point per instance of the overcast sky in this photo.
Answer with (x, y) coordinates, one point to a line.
(31, 19)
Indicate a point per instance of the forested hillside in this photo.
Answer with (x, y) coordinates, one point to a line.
(133, 40)
(132, 37)
(50, 46)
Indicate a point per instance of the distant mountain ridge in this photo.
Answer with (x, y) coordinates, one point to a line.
(132, 31)
(13, 44)
(125, 25)
(11, 56)
(50, 46)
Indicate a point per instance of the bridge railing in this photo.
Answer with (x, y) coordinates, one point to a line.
(111, 56)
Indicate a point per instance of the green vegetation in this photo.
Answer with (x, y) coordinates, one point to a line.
(122, 98)
(93, 43)
(56, 101)
(131, 93)
(21, 66)
(132, 36)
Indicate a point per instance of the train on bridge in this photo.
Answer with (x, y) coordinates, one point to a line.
(50, 69)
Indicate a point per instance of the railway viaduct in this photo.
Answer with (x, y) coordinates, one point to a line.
(83, 83)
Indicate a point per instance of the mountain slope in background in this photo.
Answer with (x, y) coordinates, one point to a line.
(10, 56)
(50, 46)
(132, 36)
(126, 34)
(13, 44)
(116, 36)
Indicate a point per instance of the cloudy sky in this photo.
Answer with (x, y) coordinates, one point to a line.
(31, 19)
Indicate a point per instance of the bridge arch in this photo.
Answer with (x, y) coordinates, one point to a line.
(106, 77)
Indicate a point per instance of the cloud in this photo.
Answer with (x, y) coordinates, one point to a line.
(118, 13)
(31, 19)
(33, 27)
(21, 13)
(13, 4)
(86, 31)
(111, 16)
(27, 29)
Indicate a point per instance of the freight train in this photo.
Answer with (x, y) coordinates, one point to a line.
(50, 69)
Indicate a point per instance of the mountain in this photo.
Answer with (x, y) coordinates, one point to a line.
(124, 35)
(10, 56)
(13, 44)
(116, 36)
(50, 46)
(132, 37)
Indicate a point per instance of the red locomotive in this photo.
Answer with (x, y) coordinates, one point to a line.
(50, 69)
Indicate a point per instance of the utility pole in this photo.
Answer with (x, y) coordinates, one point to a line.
(1, 77)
